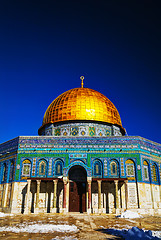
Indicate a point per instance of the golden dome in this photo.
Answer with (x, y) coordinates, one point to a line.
(82, 104)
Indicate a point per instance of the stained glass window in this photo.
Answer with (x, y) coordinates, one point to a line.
(146, 171)
(97, 167)
(154, 169)
(59, 168)
(130, 170)
(113, 167)
(26, 167)
(42, 167)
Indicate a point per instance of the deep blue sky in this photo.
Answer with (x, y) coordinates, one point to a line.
(45, 46)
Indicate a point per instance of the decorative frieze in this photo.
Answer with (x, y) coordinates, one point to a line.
(81, 129)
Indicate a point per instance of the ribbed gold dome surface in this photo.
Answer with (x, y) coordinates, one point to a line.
(82, 104)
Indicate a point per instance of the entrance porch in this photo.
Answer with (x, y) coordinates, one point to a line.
(67, 195)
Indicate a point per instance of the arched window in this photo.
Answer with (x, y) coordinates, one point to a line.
(146, 170)
(42, 168)
(11, 171)
(97, 168)
(155, 173)
(59, 168)
(4, 173)
(130, 170)
(114, 168)
(26, 167)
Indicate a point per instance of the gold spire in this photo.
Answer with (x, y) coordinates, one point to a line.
(82, 78)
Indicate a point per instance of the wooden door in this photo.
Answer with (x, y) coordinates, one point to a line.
(82, 196)
(77, 197)
(73, 197)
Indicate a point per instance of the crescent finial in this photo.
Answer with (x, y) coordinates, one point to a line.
(82, 83)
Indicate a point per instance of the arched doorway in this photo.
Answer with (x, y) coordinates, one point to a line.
(77, 189)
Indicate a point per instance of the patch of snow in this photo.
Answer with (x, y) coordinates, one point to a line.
(129, 214)
(156, 234)
(5, 214)
(101, 226)
(132, 221)
(39, 228)
(62, 222)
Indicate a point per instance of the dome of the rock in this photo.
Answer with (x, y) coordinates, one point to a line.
(82, 161)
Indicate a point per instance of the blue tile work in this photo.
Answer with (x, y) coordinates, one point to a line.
(82, 151)
(119, 142)
(9, 146)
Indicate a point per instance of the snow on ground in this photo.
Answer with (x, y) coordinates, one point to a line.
(134, 234)
(5, 214)
(157, 234)
(39, 228)
(129, 214)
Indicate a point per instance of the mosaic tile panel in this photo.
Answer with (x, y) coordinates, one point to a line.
(122, 166)
(105, 168)
(57, 132)
(48, 132)
(50, 167)
(33, 166)
(74, 131)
